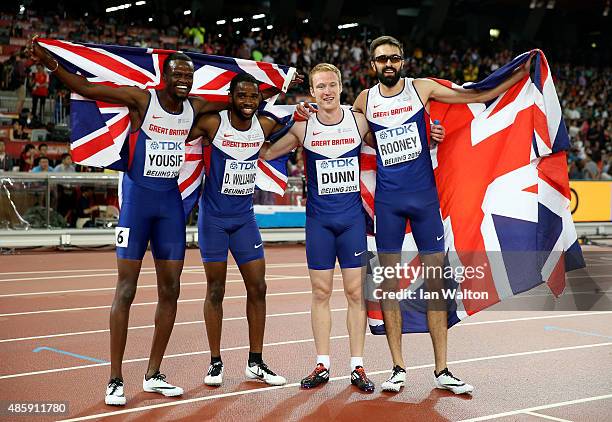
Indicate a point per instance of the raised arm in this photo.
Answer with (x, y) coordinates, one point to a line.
(284, 145)
(132, 97)
(430, 90)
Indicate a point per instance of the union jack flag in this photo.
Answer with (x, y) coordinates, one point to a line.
(504, 194)
(99, 130)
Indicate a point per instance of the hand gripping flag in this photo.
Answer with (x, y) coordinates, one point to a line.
(99, 130)
(504, 194)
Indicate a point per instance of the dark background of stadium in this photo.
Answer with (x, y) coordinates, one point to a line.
(569, 30)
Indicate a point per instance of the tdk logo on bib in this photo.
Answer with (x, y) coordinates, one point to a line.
(339, 163)
(243, 165)
(398, 131)
(167, 146)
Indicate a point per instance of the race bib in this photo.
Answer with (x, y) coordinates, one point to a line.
(338, 175)
(164, 158)
(399, 144)
(239, 177)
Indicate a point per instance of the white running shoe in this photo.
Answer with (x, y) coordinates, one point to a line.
(261, 372)
(114, 393)
(158, 384)
(446, 381)
(396, 381)
(214, 377)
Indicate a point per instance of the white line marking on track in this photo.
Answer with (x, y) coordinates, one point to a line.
(267, 389)
(536, 408)
(144, 286)
(89, 308)
(551, 418)
(141, 327)
(462, 324)
(187, 267)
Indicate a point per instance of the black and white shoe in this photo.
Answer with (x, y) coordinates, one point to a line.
(214, 377)
(361, 380)
(396, 381)
(445, 380)
(158, 384)
(260, 371)
(319, 376)
(114, 393)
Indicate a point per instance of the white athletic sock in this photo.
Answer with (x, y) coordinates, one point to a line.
(324, 359)
(356, 361)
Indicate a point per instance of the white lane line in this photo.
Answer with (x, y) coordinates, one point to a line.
(145, 286)
(267, 389)
(141, 327)
(550, 418)
(462, 324)
(89, 308)
(513, 298)
(186, 267)
(536, 408)
(268, 277)
(496, 321)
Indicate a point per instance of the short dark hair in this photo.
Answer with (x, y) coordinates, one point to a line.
(385, 39)
(177, 55)
(43, 145)
(242, 77)
(64, 155)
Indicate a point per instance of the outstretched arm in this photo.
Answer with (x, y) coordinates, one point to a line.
(431, 90)
(132, 97)
(286, 144)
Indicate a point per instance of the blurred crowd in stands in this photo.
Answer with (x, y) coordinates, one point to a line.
(584, 92)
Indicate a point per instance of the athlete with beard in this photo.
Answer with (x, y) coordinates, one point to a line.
(151, 209)
(226, 220)
(397, 110)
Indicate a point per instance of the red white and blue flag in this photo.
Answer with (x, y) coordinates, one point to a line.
(504, 193)
(99, 130)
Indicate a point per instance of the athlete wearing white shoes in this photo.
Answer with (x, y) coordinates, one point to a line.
(406, 189)
(226, 221)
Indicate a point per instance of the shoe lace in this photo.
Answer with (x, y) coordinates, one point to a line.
(114, 384)
(159, 376)
(215, 369)
(265, 369)
(318, 369)
(397, 370)
(448, 373)
(361, 373)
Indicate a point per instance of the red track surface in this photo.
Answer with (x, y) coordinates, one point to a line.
(62, 300)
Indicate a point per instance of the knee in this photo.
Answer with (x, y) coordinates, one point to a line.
(215, 293)
(124, 294)
(257, 291)
(353, 295)
(169, 293)
(321, 294)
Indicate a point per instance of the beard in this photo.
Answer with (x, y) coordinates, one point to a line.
(388, 81)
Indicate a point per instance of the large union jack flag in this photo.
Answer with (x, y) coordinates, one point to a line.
(504, 194)
(99, 130)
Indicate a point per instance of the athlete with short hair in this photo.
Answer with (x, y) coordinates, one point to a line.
(151, 210)
(335, 220)
(226, 220)
(396, 109)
